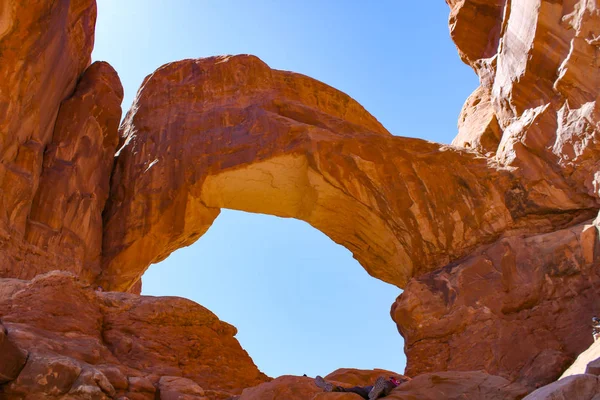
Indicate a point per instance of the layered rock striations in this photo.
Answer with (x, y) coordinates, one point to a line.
(493, 239)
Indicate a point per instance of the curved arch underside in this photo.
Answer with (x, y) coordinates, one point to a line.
(230, 132)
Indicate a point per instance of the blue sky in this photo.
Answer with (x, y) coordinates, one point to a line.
(300, 302)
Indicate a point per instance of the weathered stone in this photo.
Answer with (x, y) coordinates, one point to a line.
(453, 385)
(12, 360)
(580, 387)
(580, 366)
(178, 388)
(240, 135)
(43, 375)
(95, 340)
(283, 387)
(44, 49)
(443, 385)
(478, 127)
(76, 173)
(505, 309)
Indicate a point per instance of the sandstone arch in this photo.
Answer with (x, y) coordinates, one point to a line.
(229, 132)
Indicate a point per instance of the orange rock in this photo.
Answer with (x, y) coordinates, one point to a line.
(59, 138)
(113, 344)
(74, 183)
(45, 47)
(284, 387)
(237, 134)
(502, 310)
(580, 387)
(444, 385)
(537, 62)
(478, 127)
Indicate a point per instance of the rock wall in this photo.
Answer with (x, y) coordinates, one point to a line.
(521, 307)
(57, 138)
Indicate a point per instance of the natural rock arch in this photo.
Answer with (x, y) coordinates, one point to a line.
(229, 132)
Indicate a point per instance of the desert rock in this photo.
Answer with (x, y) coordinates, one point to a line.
(116, 344)
(230, 132)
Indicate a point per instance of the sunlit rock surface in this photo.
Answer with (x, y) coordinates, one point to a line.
(58, 133)
(115, 344)
(494, 239)
(230, 132)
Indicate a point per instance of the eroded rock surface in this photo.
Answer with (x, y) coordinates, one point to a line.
(117, 344)
(444, 385)
(538, 67)
(229, 132)
(522, 305)
(58, 132)
(494, 244)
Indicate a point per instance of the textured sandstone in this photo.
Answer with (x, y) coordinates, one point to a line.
(453, 385)
(361, 377)
(493, 243)
(57, 140)
(478, 127)
(580, 387)
(116, 343)
(229, 132)
(520, 308)
(74, 183)
(12, 360)
(444, 385)
(537, 60)
(38, 71)
(283, 387)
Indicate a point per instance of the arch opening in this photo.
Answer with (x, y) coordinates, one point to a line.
(301, 303)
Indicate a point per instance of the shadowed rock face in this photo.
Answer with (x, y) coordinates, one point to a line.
(444, 385)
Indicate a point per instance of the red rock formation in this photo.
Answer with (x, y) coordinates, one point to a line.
(580, 387)
(115, 344)
(490, 243)
(537, 65)
(13, 359)
(54, 165)
(444, 385)
(361, 377)
(232, 133)
(583, 361)
(519, 308)
(76, 172)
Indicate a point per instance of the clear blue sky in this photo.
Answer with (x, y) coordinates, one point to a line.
(301, 303)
